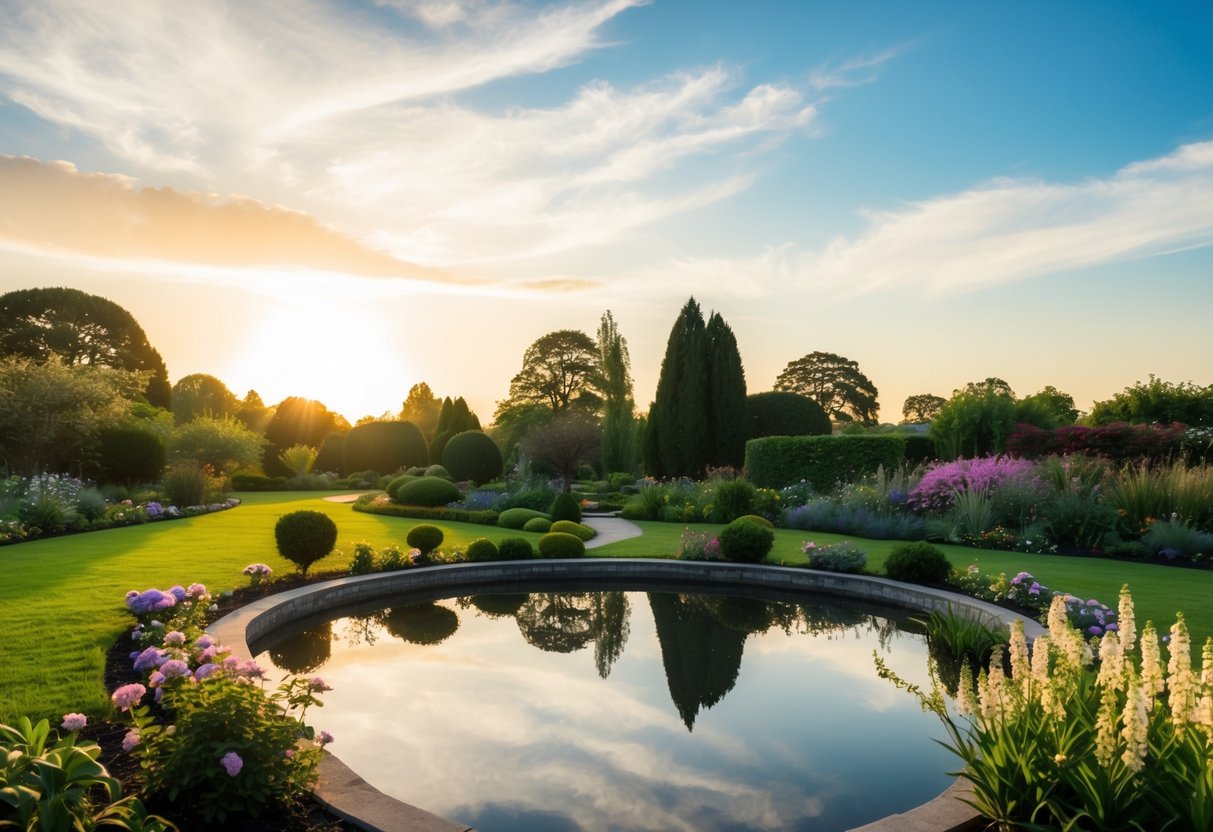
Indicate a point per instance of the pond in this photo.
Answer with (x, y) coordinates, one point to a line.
(554, 711)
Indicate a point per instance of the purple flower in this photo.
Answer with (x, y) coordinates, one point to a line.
(318, 685)
(324, 738)
(149, 600)
(156, 679)
(208, 654)
(174, 637)
(231, 763)
(136, 634)
(130, 741)
(196, 590)
(74, 722)
(178, 592)
(205, 670)
(204, 641)
(1095, 631)
(127, 696)
(1035, 588)
(1113, 627)
(1093, 603)
(174, 668)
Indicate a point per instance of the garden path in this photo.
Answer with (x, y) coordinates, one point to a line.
(610, 529)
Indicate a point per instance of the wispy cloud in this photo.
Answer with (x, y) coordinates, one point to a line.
(51, 206)
(852, 72)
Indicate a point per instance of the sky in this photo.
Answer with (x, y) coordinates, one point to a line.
(338, 200)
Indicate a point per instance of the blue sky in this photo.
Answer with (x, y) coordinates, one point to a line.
(337, 200)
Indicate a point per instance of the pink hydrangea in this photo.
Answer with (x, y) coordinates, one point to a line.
(127, 696)
(74, 722)
(131, 741)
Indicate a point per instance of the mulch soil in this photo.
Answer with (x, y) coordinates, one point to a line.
(303, 816)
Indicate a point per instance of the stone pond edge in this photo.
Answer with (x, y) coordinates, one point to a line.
(352, 798)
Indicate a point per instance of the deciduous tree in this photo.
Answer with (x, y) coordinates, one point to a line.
(618, 406)
(559, 370)
(200, 394)
(422, 408)
(563, 443)
(922, 407)
(835, 383)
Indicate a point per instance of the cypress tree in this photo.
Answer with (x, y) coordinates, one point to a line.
(727, 410)
(618, 406)
(444, 416)
(677, 437)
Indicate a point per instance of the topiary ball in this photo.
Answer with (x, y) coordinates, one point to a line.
(918, 563)
(565, 507)
(439, 471)
(425, 537)
(754, 518)
(561, 545)
(516, 518)
(472, 455)
(745, 542)
(304, 537)
(482, 549)
(427, 491)
(542, 525)
(515, 548)
(578, 530)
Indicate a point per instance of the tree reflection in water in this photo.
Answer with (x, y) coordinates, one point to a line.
(421, 623)
(304, 650)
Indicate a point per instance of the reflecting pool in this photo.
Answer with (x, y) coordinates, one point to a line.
(561, 711)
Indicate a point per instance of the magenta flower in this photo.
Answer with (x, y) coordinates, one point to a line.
(74, 722)
(231, 763)
(127, 696)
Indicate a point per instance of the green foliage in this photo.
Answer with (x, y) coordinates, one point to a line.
(744, 542)
(437, 470)
(754, 518)
(515, 548)
(1175, 540)
(424, 537)
(822, 461)
(541, 525)
(256, 482)
(384, 446)
(516, 518)
(835, 383)
(298, 421)
(200, 394)
(619, 449)
(394, 485)
(574, 528)
(224, 444)
(921, 408)
(331, 455)
(783, 413)
(1048, 409)
(80, 330)
(363, 561)
(919, 448)
(304, 537)
(565, 507)
(676, 441)
(130, 454)
(957, 640)
(918, 563)
(976, 421)
(558, 370)
(732, 499)
(91, 504)
(428, 491)
(299, 459)
(729, 412)
(1077, 519)
(482, 549)
(188, 484)
(374, 504)
(1157, 401)
(422, 408)
(561, 545)
(837, 557)
(562, 443)
(473, 456)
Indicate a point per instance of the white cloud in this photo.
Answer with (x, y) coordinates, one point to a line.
(852, 72)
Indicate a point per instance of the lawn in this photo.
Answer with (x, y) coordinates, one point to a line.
(61, 598)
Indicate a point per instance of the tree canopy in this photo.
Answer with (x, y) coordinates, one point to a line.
(922, 407)
(298, 421)
(422, 407)
(200, 394)
(563, 443)
(82, 329)
(618, 406)
(835, 383)
(1157, 401)
(559, 370)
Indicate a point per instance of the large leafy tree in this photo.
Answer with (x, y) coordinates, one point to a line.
(200, 394)
(921, 408)
(82, 329)
(618, 406)
(976, 421)
(298, 421)
(559, 370)
(834, 382)
(563, 443)
(422, 408)
(52, 413)
(1157, 401)
(1050, 408)
(224, 443)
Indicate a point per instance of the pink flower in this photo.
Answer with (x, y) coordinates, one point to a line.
(174, 637)
(127, 696)
(232, 763)
(74, 722)
(318, 685)
(324, 738)
(130, 741)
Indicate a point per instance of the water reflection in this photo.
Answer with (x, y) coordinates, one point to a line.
(304, 650)
(507, 724)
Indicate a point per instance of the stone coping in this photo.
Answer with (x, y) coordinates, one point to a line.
(350, 797)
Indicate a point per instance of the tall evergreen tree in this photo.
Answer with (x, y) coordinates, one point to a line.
(618, 410)
(728, 411)
(677, 437)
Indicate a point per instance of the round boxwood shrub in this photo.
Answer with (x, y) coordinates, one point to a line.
(745, 542)
(472, 455)
(439, 471)
(515, 548)
(384, 446)
(394, 485)
(516, 518)
(542, 525)
(482, 549)
(578, 530)
(918, 563)
(754, 518)
(427, 491)
(304, 537)
(561, 545)
(565, 507)
(425, 537)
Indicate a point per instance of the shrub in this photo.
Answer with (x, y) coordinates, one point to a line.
(472, 455)
(836, 557)
(384, 446)
(579, 530)
(782, 413)
(754, 518)
(394, 485)
(918, 563)
(375, 504)
(437, 470)
(542, 525)
(515, 548)
(1078, 520)
(363, 562)
(129, 454)
(91, 504)
(187, 484)
(257, 482)
(1172, 539)
(565, 507)
(425, 537)
(428, 491)
(482, 549)
(537, 496)
(825, 515)
(745, 542)
(698, 546)
(561, 545)
(516, 518)
(937, 489)
(823, 461)
(304, 537)
(732, 499)
(331, 455)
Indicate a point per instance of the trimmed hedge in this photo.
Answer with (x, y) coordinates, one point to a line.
(918, 563)
(754, 518)
(384, 446)
(256, 482)
(331, 455)
(515, 548)
(437, 470)
(396, 482)
(472, 455)
(822, 461)
(515, 518)
(579, 530)
(565, 507)
(561, 545)
(428, 491)
(369, 503)
(783, 413)
(541, 525)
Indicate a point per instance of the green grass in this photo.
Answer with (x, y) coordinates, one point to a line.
(61, 598)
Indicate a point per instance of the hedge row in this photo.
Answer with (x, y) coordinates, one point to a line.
(368, 503)
(823, 461)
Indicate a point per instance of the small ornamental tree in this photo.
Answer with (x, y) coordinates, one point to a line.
(304, 537)
(472, 455)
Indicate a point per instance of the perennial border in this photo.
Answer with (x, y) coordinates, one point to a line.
(350, 797)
